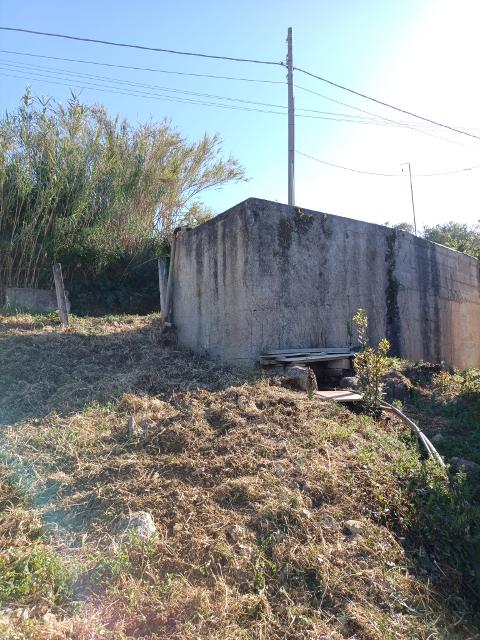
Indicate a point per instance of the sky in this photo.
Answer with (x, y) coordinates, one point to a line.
(420, 55)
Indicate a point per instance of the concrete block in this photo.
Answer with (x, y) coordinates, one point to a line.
(40, 300)
(265, 276)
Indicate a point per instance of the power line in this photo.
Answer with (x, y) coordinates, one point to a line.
(150, 69)
(133, 83)
(138, 46)
(386, 104)
(387, 175)
(141, 94)
(59, 74)
(410, 126)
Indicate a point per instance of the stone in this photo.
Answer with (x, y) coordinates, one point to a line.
(243, 550)
(139, 525)
(49, 618)
(354, 527)
(132, 428)
(437, 438)
(300, 377)
(396, 386)
(467, 466)
(350, 382)
(235, 532)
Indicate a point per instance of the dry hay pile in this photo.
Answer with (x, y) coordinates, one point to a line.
(277, 516)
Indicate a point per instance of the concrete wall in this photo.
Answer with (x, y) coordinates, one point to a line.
(267, 276)
(42, 300)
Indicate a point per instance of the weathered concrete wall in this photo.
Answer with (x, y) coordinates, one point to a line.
(43, 300)
(267, 276)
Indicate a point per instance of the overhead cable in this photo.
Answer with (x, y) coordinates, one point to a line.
(388, 175)
(150, 69)
(139, 46)
(386, 104)
(410, 126)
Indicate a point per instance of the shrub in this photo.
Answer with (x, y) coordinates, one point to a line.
(371, 364)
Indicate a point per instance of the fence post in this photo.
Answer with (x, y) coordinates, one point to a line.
(162, 283)
(168, 297)
(60, 291)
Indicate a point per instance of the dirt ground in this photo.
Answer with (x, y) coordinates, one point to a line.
(277, 516)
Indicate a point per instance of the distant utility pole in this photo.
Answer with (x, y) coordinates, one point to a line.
(411, 193)
(291, 121)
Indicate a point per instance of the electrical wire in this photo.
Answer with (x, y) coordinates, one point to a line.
(138, 46)
(164, 92)
(386, 104)
(150, 69)
(410, 126)
(387, 175)
(56, 70)
(235, 59)
(140, 94)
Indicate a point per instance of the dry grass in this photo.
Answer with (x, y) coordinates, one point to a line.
(250, 485)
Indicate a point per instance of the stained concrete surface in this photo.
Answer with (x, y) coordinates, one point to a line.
(269, 276)
(40, 300)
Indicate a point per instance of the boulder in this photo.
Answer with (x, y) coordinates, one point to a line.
(350, 382)
(396, 386)
(136, 526)
(354, 527)
(469, 467)
(300, 377)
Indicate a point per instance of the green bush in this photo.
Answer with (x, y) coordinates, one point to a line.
(371, 364)
(26, 578)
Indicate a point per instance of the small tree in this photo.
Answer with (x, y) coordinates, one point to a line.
(371, 364)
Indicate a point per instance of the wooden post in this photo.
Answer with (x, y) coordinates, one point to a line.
(60, 290)
(168, 297)
(162, 283)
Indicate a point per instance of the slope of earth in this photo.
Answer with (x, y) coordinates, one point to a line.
(277, 516)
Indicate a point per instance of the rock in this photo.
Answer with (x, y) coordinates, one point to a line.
(236, 532)
(350, 382)
(300, 377)
(243, 403)
(132, 427)
(49, 618)
(279, 469)
(328, 521)
(437, 438)
(396, 386)
(243, 550)
(354, 527)
(469, 467)
(139, 525)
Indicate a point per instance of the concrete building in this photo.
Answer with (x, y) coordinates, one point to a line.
(266, 276)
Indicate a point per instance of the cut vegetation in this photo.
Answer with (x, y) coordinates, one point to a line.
(277, 516)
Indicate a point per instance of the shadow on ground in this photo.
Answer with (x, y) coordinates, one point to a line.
(44, 369)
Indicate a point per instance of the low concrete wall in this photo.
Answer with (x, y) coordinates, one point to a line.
(268, 276)
(42, 300)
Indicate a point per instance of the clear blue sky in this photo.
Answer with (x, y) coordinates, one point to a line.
(418, 54)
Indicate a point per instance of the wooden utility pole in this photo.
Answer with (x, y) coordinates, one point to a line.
(162, 283)
(60, 291)
(291, 121)
(411, 194)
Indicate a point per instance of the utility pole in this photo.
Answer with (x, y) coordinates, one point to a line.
(291, 122)
(411, 193)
